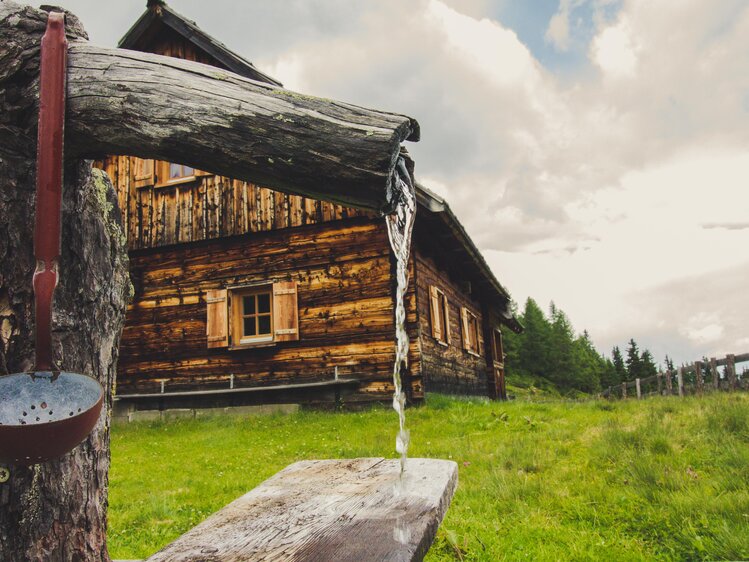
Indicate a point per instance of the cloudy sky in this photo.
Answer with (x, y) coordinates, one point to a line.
(596, 150)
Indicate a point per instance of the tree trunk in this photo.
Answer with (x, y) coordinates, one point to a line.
(56, 510)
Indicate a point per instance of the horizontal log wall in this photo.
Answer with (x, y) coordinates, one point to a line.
(450, 368)
(344, 274)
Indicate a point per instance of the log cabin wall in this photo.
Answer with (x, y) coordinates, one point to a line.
(342, 271)
(446, 365)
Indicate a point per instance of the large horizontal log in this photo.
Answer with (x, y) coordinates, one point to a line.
(128, 102)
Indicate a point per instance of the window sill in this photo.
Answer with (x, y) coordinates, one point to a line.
(442, 343)
(471, 352)
(257, 345)
(177, 181)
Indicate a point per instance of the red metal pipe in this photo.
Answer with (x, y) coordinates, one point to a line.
(49, 182)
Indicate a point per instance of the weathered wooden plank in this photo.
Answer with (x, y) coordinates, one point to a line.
(698, 376)
(731, 371)
(198, 211)
(327, 510)
(714, 373)
(295, 210)
(311, 211)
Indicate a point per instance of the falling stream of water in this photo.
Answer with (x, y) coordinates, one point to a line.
(400, 226)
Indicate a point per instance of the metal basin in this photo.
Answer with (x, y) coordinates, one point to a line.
(43, 415)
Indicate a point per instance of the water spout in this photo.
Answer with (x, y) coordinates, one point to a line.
(400, 227)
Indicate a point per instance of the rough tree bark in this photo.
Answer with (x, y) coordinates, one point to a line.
(57, 510)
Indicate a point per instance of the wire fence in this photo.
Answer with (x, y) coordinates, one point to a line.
(707, 375)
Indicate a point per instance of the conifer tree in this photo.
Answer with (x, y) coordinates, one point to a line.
(633, 361)
(619, 366)
(588, 365)
(648, 367)
(563, 363)
(533, 350)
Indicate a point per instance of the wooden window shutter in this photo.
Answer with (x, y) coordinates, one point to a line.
(446, 308)
(285, 311)
(217, 325)
(434, 306)
(143, 172)
(466, 332)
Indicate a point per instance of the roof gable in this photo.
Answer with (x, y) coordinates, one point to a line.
(158, 15)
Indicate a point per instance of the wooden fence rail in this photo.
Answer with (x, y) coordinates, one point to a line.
(695, 378)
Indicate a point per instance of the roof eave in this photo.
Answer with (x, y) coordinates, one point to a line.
(437, 205)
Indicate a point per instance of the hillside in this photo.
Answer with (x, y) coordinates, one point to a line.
(663, 479)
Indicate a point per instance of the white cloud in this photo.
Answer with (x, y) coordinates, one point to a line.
(558, 32)
(615, 50)
(492, 50)
(701, 332)
(621, 195)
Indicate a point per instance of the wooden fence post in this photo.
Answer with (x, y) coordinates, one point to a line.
(714, 373)
(669, 390)
(680, 380)
(624, 390)
(731, 371)
(659, 378)
(637, 386)
(698, 376)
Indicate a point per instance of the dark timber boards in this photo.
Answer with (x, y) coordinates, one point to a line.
(327, 510)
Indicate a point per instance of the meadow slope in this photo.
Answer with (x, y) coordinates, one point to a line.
(660, 479)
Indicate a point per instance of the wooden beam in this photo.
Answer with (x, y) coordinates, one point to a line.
(698, 376)
(152, 106)
(731, 371)
(328, 510)
(714, 373)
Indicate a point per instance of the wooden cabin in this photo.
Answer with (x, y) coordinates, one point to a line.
(247, 295)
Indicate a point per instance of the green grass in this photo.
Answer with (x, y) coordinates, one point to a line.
(660, 479)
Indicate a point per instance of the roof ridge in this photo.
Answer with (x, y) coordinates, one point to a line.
(158, 10)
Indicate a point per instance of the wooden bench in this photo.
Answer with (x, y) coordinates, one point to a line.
(327, 510)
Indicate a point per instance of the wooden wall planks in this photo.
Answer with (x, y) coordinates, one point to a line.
(447, 368)
(209, 207)
(343, 274)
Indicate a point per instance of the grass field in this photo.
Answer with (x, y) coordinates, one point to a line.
(660, 479)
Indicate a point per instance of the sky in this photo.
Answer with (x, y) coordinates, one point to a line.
(597, 151)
